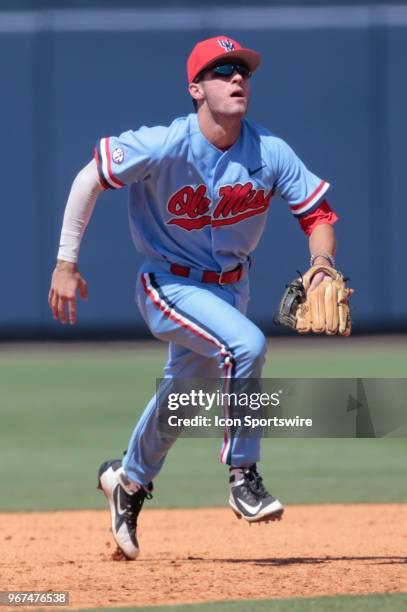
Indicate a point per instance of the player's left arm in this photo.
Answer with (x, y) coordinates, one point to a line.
(322, 247)
(318, 225)
(305, 194)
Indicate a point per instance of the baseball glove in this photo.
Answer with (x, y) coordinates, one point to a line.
(323, 310)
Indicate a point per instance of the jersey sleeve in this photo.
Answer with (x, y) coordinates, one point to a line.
(323, 213)
(130, 157)
(299, 187)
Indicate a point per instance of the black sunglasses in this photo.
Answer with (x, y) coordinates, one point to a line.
(226, 70)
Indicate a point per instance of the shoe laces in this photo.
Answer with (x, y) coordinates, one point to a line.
(134, 504)
(254, 482)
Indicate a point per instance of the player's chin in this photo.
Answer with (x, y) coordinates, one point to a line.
(238, 106)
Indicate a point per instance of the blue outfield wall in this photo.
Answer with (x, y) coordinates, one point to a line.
(332, 84)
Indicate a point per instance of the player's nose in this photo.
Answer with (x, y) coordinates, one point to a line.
(236, 77)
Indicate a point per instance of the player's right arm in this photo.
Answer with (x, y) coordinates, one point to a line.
(66, 278)
(118, 161)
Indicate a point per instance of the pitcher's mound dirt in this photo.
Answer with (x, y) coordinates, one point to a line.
(207, 554)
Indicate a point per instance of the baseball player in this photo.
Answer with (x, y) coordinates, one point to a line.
(199, 194)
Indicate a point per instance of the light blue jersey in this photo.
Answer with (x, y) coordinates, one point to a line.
(202, 209)
(195, 205)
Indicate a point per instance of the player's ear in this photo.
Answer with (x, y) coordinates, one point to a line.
(195, 91)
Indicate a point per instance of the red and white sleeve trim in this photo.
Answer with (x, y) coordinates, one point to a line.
(105, 165)
(300, 209)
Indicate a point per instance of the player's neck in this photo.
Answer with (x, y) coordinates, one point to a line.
(220, 131)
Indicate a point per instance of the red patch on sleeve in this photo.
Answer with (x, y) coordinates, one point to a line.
(322, 214)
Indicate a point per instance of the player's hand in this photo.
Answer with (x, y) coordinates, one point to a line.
(318, 279)
(321, 276)
(65, 282)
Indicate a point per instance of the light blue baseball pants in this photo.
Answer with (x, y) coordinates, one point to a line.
(209, 337)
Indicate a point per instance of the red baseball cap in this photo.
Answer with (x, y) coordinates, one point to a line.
(208, 51)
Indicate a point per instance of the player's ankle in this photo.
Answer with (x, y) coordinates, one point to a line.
(130, 486)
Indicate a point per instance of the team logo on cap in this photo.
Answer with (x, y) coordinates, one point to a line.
(226, 44)
(118, 155)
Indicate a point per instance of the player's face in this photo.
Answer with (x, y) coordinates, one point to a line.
(225, 94)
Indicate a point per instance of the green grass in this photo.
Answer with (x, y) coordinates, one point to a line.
(324, 357)
(367, 603)
(66, 409)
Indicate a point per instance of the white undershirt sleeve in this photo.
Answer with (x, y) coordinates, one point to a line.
(79, 207)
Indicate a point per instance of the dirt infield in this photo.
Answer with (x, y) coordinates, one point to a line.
(207, 554)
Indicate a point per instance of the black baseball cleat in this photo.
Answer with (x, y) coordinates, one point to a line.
(249, 499)
(125, 505)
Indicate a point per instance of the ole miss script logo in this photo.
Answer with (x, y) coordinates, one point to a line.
(191, 207)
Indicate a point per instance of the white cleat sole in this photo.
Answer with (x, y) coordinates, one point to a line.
(273, 512)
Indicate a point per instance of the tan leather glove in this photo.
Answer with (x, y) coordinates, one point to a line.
(326, 308)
